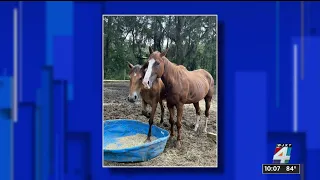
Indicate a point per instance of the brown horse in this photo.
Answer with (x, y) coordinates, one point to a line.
(151, 96)
(182, 87)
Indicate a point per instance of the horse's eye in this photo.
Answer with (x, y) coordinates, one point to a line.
(156, 63)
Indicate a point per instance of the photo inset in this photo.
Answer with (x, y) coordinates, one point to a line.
(160, 91)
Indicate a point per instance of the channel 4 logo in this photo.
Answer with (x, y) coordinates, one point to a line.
(282, 154)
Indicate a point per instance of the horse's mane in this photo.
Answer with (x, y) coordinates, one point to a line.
(171, 66)
(173, 71)
(183, 67)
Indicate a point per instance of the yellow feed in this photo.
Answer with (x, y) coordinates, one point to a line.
(129, 141)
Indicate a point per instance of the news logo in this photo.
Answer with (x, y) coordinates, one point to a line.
(282, 154)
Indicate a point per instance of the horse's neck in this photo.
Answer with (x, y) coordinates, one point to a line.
(169, 72)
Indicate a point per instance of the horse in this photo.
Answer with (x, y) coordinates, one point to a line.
(151, 96)
(182, 87)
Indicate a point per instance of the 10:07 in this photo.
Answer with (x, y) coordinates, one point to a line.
(271, 169)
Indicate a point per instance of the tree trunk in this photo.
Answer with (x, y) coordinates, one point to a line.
(179, 26)
(214, 59)
(133, 41)
(140, 59)
(107, 41)
(213, 67)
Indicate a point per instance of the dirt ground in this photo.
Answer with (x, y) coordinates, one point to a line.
(198, 149)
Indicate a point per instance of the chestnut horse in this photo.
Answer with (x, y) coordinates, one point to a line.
(182, 87)
(151, 96)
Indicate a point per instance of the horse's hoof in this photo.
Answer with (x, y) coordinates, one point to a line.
(205, 131)
(195, 129)
(178, 144)
(146, 114)
(165, 124)
(211, 135)
(147, 140)
(171, 137)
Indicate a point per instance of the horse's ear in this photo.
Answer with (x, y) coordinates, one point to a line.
(150, 50)
(130, 65)
(164, 53)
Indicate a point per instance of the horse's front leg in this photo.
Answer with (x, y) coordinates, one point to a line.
(171, 112)
(153, 111)
(179, 124)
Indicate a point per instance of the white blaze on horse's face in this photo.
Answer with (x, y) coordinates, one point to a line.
(147, 80)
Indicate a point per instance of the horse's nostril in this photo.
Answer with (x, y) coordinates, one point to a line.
(135, 97)
(148, 82)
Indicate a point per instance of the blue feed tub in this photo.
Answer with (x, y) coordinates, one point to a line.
(114, 129)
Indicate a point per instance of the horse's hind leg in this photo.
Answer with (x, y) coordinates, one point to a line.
(197, 107)
(208, 104)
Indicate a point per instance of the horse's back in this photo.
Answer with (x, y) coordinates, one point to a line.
(201, 75)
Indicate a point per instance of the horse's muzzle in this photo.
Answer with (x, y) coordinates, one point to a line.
(132, 99)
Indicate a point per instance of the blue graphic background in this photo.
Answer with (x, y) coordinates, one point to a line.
(58, 133)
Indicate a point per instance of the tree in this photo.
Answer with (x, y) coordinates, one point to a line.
(191, 41)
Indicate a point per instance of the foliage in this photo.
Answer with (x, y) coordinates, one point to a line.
(191, 41)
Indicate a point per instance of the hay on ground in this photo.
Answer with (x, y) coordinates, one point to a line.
(129, 141)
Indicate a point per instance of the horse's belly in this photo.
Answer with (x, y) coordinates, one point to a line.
(195, 96)
(193, 100)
